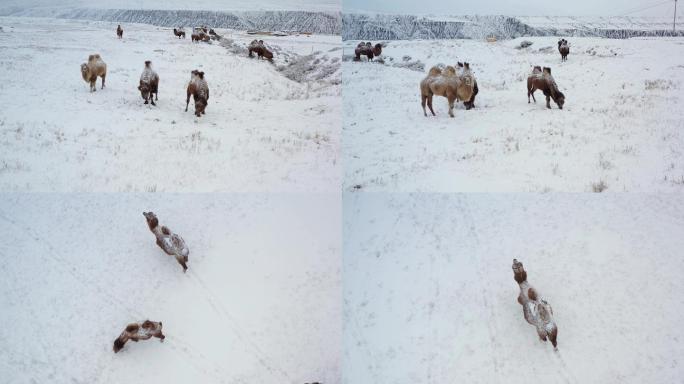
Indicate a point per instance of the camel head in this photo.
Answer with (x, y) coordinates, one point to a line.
(200, 105)
(147, 63)
(200, 74)
(559, 99)
(553, 334)
(118, 344)
(377, 50)
(466, 66)
(536, 69)
(268, 54)
(144, 89)
(152, 220)
(547, 70)
(85, 71)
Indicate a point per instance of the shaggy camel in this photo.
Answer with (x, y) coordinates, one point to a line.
(179, 33)
(260, 49)
(139, 331)
(169, 242)
(564, 49)
(368, 50)
(119, 32)
(541, 79)
(536, 311)
(199, 90)
(462, 67)
(149, 84)
(92, 69)
(447, 84)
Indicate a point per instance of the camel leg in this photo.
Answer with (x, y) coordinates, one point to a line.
(429, 103)
(423, 101)
(532, 93)
(451, 106)
(187, 101)
(103, 81)
(182, 263)
(548, 102)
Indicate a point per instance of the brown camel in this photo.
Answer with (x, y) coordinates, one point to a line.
(368, 50)
(544, 82)
(260, 49)
(447, 84)
(169, 242)
(470, 103)
(564, 49)
(199, 90)
(149, 84)
(536, 311)
(119, 32)
(139, 331)
(179, 33)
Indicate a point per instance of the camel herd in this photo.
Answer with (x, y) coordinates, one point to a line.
(536, 311)
(458, 83)
(173, 245)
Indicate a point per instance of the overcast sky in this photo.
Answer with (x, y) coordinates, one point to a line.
(515, 8)
(210, 5)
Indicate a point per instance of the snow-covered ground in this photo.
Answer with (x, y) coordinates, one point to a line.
(621, 124)
(262, 131)
(260, 302)
(430, 297)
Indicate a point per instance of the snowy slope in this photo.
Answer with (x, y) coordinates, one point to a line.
(56, 136)
(430, 297)
(621, 124)
(365, 26)
(260, 302)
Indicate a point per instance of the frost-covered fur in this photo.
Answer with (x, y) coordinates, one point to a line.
(541, 79)
(149, 84)
(535, 310)
(169, 242)
(92, 69)
(564, 49)
(448, 84)
(139, 331)
(199, 90)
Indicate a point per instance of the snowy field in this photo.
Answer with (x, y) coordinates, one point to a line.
(429, 295)
(262, 131)
(260, 302)
(621, 126)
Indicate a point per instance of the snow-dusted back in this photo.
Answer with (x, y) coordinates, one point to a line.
(328, 23)
(357, 26)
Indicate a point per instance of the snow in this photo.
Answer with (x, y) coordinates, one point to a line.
(621, 125)
(56, 136)
(430, 297)
(260, 302)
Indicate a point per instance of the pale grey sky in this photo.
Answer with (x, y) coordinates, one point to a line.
(516, 8)
(208, 5)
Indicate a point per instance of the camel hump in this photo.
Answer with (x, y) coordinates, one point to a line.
(435, 71)
(449, 71)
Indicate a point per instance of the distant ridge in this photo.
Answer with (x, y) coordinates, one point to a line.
(362, 26)
(328, 23)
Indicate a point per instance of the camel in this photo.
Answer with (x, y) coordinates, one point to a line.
(447, 84)
(368, 50)
(169, 242)
(149, 83)
(92, 69)
(536, 311)
(564, 49)
(119, 31)
(179, 33)
(541, 79)
(260, 49)
(139, 331)
(199, 90)
(470, 103)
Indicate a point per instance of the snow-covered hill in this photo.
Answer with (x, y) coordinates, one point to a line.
(260, 302)
(430, 297)
(263, 131)
(363, 26)
(327, 23)
(620, 129)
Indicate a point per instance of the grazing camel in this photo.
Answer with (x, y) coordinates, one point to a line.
(119, 31)
(536, 311)
(179, 33)
(541, 79)
(149, 84)
(92, 69)
(260, 49)
(564, 49)
(199, 90)
(447, 84)
(139, 331)
(368, 50)
(169, 242)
